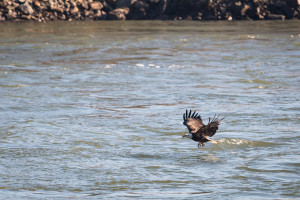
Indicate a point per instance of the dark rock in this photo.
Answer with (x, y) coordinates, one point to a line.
(138, 10)
(57, 9)
(85, 5)
(2, 18)
(103, 15)
(10, 7)
(186, 7)
(96, 5)
(67, 7)
(86, 13)
(293, 3)
(253, 12)
(28, 17)
(15, 4)
(75, 10)
(73, 4)
(39, 15)
(245, 9)
(62, 17)
(42, 5)
(156, 8)
(296, 14)
(106, 7)
(43, 10)
(118, 14)
(288, 12)
(3, 4)
(26, 8)
(276, 17)
(37, 4)
(97, 14)
(124, 3)
(188, 18)
(235, 9)
(11, 14)
(79, 2)
(34, 18)
(52, 17)
(211, 17)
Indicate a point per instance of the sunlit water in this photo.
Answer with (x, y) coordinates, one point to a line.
(93, 110)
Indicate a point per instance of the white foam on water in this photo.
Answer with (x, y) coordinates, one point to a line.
(140, 65)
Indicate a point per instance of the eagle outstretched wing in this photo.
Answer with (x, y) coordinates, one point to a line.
(211, 128)
(197, 130)
(192, 121)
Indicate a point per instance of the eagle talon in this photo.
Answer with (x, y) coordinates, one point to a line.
(201, 144)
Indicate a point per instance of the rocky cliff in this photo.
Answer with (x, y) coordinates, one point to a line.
(50, 10)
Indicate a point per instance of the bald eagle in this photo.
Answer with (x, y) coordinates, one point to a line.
(197, 130)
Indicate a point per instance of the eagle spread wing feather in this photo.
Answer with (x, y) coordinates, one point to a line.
(192, 121)
(211, 128)
(198, 131)
(196, 127)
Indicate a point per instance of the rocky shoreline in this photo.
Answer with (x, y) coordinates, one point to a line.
(52, 10)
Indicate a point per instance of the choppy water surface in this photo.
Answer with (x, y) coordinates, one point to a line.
(94, 110)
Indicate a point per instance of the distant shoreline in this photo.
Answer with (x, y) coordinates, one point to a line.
(68, 10)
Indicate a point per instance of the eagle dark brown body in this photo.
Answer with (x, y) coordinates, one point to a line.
(197, 130)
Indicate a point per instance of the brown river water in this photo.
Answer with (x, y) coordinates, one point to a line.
(93, 110)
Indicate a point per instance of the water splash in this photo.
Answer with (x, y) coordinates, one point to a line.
(242, 143)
